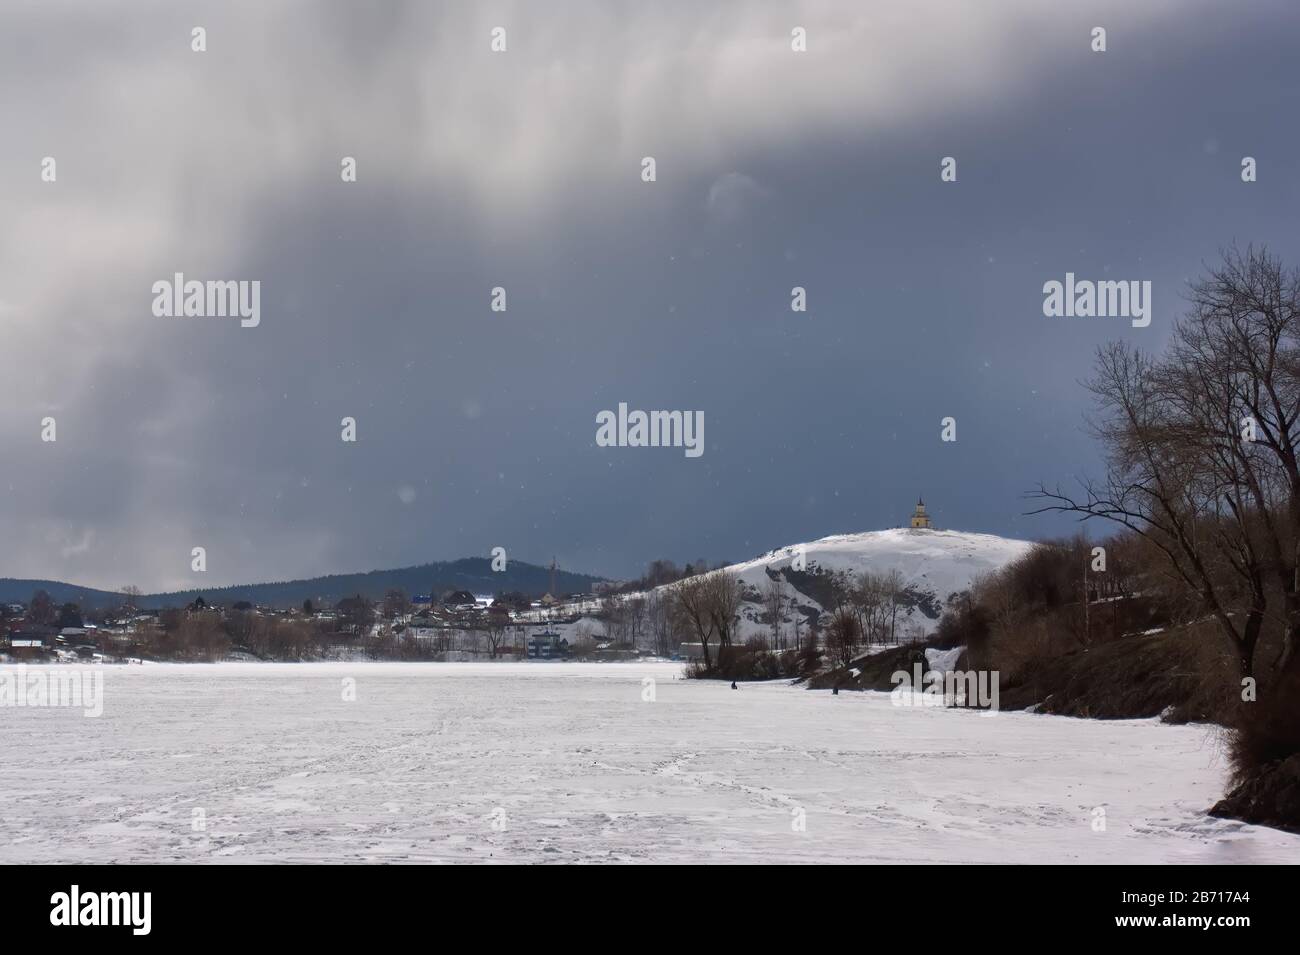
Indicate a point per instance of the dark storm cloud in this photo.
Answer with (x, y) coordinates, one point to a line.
(477, 429)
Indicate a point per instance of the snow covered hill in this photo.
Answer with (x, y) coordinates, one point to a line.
(933, 564)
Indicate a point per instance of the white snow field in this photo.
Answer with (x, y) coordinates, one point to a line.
(565, 762)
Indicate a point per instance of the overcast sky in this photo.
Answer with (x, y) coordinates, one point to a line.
(522, 169)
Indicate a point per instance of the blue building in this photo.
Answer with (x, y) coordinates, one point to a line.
(547, 645)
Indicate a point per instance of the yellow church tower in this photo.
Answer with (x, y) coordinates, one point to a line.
(919, 517)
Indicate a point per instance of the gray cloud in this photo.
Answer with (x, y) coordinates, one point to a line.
(522, 170)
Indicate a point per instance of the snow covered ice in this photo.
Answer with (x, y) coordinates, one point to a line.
(565, 762)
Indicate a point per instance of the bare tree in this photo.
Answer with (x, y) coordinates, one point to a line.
(892, 589)
(40, 609)
(844, 635)
(395, 603)
(584, 641)
(614, 616)
(865, 598)
(774, 605)
(634, 616)
(239, 624)
(1202, 457)
(693, 602)
(661, 572)
(725, 594)
(709, 605)
(355, 614)
(130, 595)
(494, 631)
(659, 621)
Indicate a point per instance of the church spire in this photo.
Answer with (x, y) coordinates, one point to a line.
(919, 518)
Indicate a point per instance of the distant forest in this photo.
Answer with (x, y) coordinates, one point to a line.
(474, 574)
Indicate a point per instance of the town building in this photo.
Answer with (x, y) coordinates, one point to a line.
(547, 645)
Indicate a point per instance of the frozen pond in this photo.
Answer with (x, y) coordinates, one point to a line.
(563, 762)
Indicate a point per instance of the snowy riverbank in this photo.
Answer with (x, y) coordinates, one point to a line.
(573, 762)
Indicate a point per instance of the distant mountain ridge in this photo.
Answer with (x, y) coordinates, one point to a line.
(474, 574)
(933, 564)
